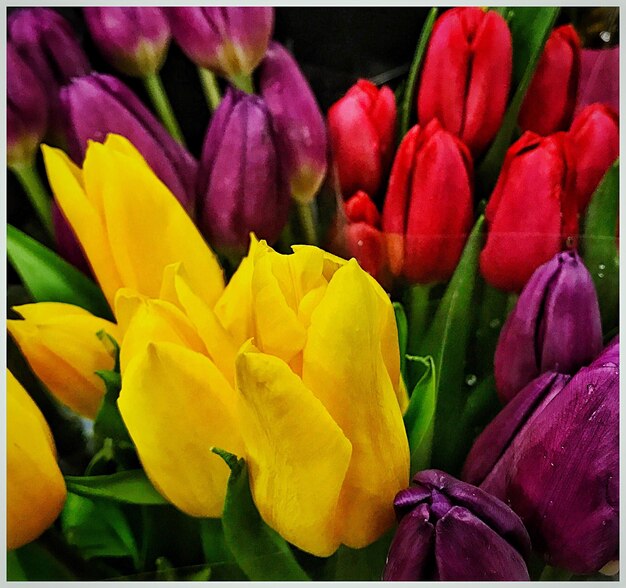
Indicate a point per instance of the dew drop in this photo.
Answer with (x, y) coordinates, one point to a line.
(471, 380)
(605, 36)
(551, 464)
(600, 275)
(590, 388)
(569, 242)
(601, 267)
(494, 323)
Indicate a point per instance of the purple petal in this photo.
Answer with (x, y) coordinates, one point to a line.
(406, 500)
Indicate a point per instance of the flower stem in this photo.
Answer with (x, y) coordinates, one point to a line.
(551, 574)
(37, 194)
(161, 103)
(243, 82)
(305, 214)
(417, 305)
(209, 87)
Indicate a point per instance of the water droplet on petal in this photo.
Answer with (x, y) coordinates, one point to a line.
(471, 380)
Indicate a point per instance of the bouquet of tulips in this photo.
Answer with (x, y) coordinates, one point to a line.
(377, 342)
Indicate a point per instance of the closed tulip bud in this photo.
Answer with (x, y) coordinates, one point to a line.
(133, 39)
(241, 188)
(97, 105)
(466, 75)
(553, 455)
(551, 97)
(35, 486)
(299, 124)
(599, 78)
(361, 127)
(428, 207)
(48, 45)
(27, 110)
(230, 41)
(453, 531)
(595, 138)
(532, 213)
(544, 332)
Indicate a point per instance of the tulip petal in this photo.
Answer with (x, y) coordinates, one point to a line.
(35, 487)
(177, 405)
(297, 455)
(343, 365)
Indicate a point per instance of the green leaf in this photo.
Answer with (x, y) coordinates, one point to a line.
(363, 565)
(98, 528)
(132, 487)
(259, 550)
(49, 278)
(109, 422)
(403, 327)
(419, 419)
(599, 246)
(34, 562)
(447, 342)
(530, 29)
(408, 102)
(480, 409)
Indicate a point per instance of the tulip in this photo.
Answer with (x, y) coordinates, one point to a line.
(241, 187)
(97, 105)
(229, 41)
(428, 207)
(363, 238)
(551, 96)
(311, 440)
(599, 78)
(67, 245)
(362, 127)
(453, 531)
(466, 75)
(27, 111)
(35, 486)
(532, 213)
(61, 345)
(552, 454)
(544, 332)
(595, 137)
(300, 130)
(133, 39)
(48, 45)
(118, 233)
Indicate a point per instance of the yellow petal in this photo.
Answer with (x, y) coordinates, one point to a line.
(296, 453)
(84, 217)
(35, 487)
(177, 405)
(343, 365)
(60, 343)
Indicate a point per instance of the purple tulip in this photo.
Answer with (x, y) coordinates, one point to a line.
(555, 325)
(240, 183)
(48, 44)
(133, 39)
(552, 454)
(298, 119)
(230, 41)
(450, 530)
(27, 110)
(97, 104)
(67, 244)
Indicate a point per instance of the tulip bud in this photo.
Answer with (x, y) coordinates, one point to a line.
(544, 332)
(553, 455)
(133, 39)
(428, 207)
(241, 188)
(230, 41)
(599, 78)
(27, 111)
(361, 127)
(532, 213)
(453, 531)
(35, 486)
(299, 123)
(466, 75)
(595, 139)
(551, 97)
(48, 45)
(97, 105)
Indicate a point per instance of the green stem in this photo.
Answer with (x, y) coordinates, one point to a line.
(210, 87)
(510, 303)
(161, 103)
(417, 306)
(37, 194)
(551, 574)
(243, 82)
(305, 215)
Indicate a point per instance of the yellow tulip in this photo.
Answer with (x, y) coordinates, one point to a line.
(60, 343)
(35, 486)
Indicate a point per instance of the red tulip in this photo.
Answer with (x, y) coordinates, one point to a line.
(362, 126)
(532, 213)
(428, 208)
(595, 138)
(551, 97)
(466, 75)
